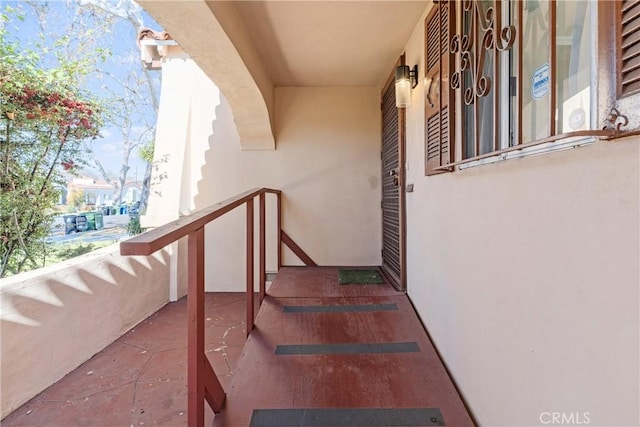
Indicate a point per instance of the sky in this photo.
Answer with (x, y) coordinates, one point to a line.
(122, 66)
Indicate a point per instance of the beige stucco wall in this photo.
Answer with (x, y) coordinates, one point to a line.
(172, 159)
(232, 64)
(186, 116)
(53, 319)
(526, 275)
(327, 163)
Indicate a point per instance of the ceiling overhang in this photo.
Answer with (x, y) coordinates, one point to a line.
(199, 33)
(250, 47)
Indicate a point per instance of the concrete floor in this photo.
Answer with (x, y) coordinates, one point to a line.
(141, 379)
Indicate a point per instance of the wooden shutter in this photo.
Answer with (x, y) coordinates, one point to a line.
(438, 126)
(628, 47)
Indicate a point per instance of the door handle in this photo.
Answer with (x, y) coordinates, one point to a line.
(393, 173)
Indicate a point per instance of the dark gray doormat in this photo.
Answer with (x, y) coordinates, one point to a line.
(313, 417)
(359, 277)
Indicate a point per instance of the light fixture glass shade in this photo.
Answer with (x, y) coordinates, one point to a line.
(403, 86)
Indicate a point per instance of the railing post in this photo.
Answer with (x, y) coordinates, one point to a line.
(195, 333)
(202, 381)
(249, 266)
(263, 256)
(279, 214)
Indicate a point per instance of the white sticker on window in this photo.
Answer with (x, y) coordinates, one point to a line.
(540, 82)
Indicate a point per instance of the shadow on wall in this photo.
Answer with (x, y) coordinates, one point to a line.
(271, 49)
(327, 164)
(224, 245)
(243, 170)
(222, 149)
(56, 318)
(223, 175)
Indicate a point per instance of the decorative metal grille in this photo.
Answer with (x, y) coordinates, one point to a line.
(486, 29)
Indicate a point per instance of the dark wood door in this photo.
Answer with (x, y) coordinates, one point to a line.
(393, 222)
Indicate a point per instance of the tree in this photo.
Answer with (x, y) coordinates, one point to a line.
(45, 120)
(134, 93)
(134, 134)
(48, 120)
(75, 199)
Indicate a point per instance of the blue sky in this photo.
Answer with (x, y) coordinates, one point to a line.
(62, 18)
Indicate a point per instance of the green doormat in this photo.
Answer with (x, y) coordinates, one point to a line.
(359, 277)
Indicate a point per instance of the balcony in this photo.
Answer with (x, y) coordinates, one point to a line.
(347, 347)
(318, 352)
(140, 379)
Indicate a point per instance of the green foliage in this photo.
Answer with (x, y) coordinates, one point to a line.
(63, 252)
(75, 199)
(72, 251)
(44, 120)
(145, 152)
(133, 226)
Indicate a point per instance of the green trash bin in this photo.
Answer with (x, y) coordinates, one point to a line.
(99, 221)
(95, 220)
(91, 220)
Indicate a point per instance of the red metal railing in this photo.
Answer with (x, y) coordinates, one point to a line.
(202, 381)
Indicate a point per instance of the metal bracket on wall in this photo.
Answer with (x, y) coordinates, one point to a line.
(615, 121)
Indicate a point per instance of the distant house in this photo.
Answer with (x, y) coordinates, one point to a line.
(96, 192)
(100, 192)
(132, 192)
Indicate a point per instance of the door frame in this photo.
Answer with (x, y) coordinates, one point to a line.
(401, 282)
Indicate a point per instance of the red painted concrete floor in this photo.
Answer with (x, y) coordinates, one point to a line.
(141, 378)
(267, 380)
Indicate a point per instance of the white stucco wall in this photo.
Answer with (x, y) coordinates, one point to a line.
(220, 44)
(186, 115)
(186, 119)
(54, 319)
(526, 275)
(326, 162)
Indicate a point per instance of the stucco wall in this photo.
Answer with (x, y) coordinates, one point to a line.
(526, 275)
(54, 319)
(232, 64)
(179, 80)
(327, 163)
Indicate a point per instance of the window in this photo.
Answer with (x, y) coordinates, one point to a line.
(485, 76)
(518, 73)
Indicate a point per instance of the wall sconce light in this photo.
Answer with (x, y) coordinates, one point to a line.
(406, 79)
